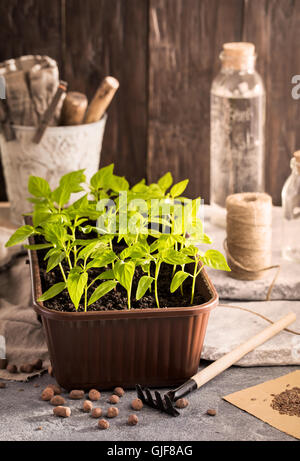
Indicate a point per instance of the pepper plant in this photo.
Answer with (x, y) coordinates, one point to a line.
(97, 243)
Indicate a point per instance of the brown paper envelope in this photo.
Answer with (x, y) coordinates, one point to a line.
(257, 400)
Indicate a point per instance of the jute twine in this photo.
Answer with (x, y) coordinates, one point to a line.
(249, 236)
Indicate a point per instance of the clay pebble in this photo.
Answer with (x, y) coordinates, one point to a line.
(112, 412)
(57, 400)
(63, 412)
(87, 406)
(181, 403)
(56, 388)
(12, 368)
(96, 412)
(114, 399)
(132, 420)
(94, 395)
(137, 404)
(76, 394)
(119, 391)
(47, 394)
(211, 412)
(103, 424)
(27, 368)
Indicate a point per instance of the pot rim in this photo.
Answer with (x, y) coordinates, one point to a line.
(53, 129)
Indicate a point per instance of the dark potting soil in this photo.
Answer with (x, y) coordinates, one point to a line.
(117, 299)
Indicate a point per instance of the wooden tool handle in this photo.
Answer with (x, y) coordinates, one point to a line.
(62, 88)
(101, 100)
(73, 108)
(234, 356)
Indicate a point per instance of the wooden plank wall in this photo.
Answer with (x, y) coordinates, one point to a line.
(165, 54)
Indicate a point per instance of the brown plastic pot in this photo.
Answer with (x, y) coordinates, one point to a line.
(153, 347)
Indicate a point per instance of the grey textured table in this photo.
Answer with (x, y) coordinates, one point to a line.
(22, 412)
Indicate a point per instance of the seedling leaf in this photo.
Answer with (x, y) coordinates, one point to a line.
(20, 235)
(178, 280)
(53, 291)
(55, 258)
(124, 272)
(144, 284)
(165, 181)
(76, 283)
(216, 260)
(179, 188)
(38, 187)
(102, 290)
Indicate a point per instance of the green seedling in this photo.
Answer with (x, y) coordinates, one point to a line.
(89, 235)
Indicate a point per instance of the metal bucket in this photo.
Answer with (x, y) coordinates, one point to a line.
(62, 149)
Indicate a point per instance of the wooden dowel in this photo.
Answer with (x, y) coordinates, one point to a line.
(234, 356)
(101, 100)
(73, 108)
(62, 88)
(8, 131)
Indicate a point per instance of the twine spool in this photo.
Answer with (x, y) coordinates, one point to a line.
(249, 235)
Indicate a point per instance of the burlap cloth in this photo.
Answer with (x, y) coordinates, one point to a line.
(19, 324)
(31, 83)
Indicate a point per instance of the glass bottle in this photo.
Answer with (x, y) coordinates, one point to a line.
(237, 128)
(291, 212)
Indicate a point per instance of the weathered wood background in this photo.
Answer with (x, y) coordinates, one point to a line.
(165, 54)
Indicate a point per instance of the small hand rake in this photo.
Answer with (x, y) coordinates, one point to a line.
(166, 402)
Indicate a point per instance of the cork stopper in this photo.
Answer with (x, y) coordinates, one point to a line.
(297, 155)
(297, 158)
(238, 55)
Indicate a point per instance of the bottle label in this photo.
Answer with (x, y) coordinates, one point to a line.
(237, 146)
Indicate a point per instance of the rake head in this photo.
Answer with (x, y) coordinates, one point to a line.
(163, 403)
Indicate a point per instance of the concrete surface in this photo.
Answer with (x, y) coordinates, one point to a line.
(22, 412)
(227, 328)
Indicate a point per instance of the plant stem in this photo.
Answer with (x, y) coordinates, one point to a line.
(181, 286)
(74, 238)
(129, 299)
(112, 249)
(69, 261)
(85, 299)
(194, 280)
(155, 283)
(67, 253)
(63, 272)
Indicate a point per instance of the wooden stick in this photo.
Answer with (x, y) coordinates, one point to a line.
(234, 356)
(101, 100)
(62, 88)
(8, 131)
(73, 108)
